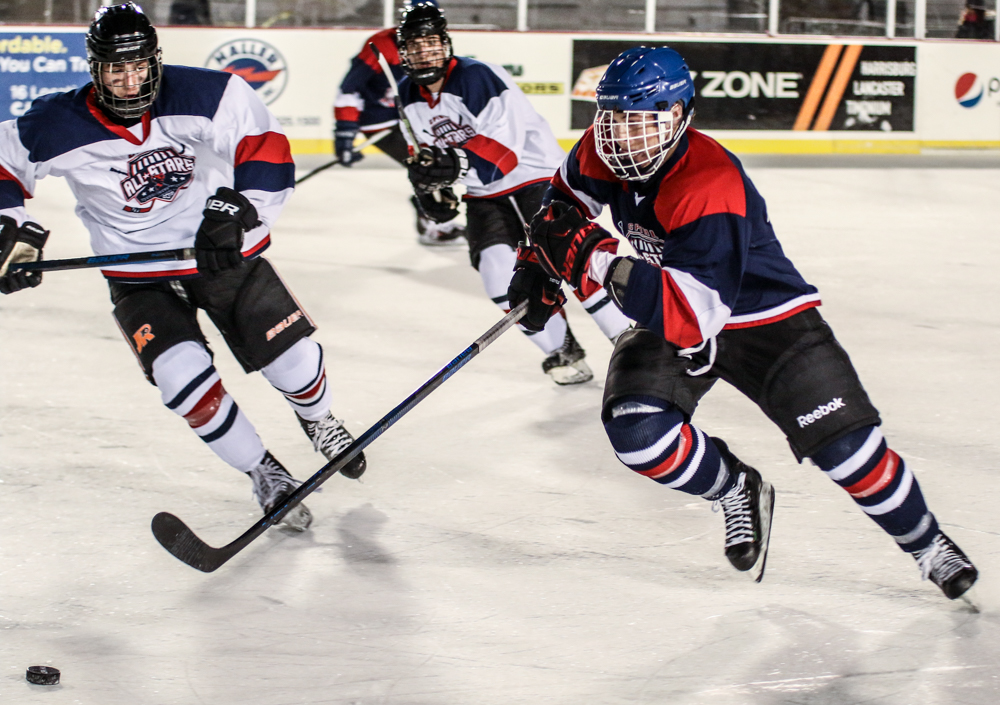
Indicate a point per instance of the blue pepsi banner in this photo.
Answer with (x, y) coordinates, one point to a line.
(33, 64)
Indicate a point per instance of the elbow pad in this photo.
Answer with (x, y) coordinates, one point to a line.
(616, 280)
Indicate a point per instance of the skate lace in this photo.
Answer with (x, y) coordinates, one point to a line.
(940, 561)
(328, 436)
(736, 508)
(270, 482)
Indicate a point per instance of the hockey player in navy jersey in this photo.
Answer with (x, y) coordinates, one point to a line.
(364, 104)
(714, 297)
(164, 157)
(475, 126)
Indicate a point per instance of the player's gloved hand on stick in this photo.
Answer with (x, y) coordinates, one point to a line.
(541, 289)
(22, 243)
(564, 240)
(439, 206)
(343, 142)
(219, 241)
(434, 168)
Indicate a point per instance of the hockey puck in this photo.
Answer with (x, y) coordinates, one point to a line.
(42, 675)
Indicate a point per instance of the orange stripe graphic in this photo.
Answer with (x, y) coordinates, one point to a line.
(817, 87)
(832, 101)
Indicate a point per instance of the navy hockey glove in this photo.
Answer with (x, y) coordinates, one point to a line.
(439, 206)
(219, 241)
(564, 240)
(532, 282)
(343, 142)
(435, 168)
(19, 244)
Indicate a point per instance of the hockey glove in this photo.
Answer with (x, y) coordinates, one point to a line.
(564, 240)
(434, 168)
(343, 142)
(219, 241)
(532, 282)
(19, 244)
(439, 206)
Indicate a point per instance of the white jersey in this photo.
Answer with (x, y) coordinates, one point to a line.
(144, 188)
(481, 110)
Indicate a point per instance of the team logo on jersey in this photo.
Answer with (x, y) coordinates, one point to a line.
(158, 174)
(448, 134)
(645, 242)
(142, 336)
(256, 62)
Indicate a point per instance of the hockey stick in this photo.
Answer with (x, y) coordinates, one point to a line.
(384, 63)
(368, 142)
(52, 265)
(174, 535)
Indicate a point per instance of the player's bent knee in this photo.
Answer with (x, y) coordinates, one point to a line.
(188, 382)
(643, 430)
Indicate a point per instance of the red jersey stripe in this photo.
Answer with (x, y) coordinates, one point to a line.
(7, 176)
(493, 152)
(271, 147)
(772, 319)
(680, 325)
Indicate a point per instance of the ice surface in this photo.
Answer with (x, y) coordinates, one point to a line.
(496, 552)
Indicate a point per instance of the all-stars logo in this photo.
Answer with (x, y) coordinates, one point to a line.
(448, 134)
(156, 174)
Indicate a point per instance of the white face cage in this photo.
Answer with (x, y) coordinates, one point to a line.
(635, 143)
(127, 88)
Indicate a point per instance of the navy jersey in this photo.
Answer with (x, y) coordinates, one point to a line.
(364, 96)
(710, 259)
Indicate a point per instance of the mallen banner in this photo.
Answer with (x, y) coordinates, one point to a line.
(770, 86)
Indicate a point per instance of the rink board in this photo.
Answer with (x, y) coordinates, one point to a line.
(756, 94)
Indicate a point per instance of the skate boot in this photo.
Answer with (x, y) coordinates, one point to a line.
(566, 365)
(433, 234)
(748, 508)
(271, 485)
(329, 437)
(947, 567)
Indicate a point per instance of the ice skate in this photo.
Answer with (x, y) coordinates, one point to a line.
(432, 234)
(946, 566)
(329, 437)
(566, 365)
(271, 485)
(748, 508)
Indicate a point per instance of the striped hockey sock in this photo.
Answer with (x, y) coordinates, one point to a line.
(300, 374)
(882, 485)
(190, 387)
(650, 436)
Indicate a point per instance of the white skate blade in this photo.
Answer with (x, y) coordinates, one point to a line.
(299, 519)
(575, 373)
(766, 512)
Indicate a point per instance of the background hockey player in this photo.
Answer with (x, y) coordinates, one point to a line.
(477, 127)
(714, 297)
(164, 157)
(364, 103)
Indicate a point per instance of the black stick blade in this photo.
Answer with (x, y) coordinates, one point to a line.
(175, 536)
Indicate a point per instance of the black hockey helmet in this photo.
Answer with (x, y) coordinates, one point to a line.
(422, 19)
(120, 37)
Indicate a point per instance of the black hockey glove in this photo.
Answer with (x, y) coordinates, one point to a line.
(564, 240)
(434, 168)
(439, 206)
(532, 282)
(343, 142)
(19, 244)
(219, 241)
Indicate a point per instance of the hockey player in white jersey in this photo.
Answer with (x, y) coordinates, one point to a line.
(475, 126)
(164, 157)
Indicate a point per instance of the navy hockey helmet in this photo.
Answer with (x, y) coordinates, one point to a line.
(645, 101)
(125, 62)
(419, 20)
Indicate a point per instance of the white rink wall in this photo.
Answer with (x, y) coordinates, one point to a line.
(953, 101)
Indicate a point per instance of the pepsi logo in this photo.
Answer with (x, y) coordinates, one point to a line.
(968, 90)
(256, 62)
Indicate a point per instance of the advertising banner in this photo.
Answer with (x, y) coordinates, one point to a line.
(775, 86)
(34, 64)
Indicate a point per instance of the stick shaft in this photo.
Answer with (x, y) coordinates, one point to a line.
(407, 127)
(367, 143)
(52, 265)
